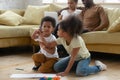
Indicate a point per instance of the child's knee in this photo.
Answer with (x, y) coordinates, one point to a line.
(82, 72)
(43, 69)
(38, 57)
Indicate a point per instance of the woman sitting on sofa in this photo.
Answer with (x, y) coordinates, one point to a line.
(71, 10)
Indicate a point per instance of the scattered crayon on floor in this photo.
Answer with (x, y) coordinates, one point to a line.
(50, 78)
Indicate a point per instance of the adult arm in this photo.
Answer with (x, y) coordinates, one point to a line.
(59, 12)
(59, 18)
(104, 20)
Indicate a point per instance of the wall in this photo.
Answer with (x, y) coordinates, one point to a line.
(12, 4)
(22, 4)
(18, 4)
(111, 5)
(33, 2)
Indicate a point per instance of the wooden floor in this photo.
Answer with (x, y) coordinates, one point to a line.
(19, 61)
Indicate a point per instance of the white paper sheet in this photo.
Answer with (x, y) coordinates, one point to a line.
(32, 75)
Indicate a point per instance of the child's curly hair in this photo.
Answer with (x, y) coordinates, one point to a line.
(50, 19)
(72, 25)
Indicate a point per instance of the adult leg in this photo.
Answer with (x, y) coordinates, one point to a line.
(83, 68)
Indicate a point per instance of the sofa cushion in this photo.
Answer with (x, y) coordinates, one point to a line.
(55, 7)
(10, 18)
(113, 14)
(18, 31)
(101, 37)
(115, 27)
(33, 14)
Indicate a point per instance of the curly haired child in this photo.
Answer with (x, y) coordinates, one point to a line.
(47, 56)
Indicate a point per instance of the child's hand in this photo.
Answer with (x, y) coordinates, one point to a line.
(37, 31)
(41, 33)
(62, 74)
(35, 34)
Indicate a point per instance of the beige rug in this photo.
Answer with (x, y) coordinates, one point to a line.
(21, 62)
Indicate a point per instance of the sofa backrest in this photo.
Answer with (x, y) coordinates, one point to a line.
(52, 7)
(113, 13)
(31, 15)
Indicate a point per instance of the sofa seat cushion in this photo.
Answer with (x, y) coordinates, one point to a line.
(12, 42)
(101, 37)
(16, 31)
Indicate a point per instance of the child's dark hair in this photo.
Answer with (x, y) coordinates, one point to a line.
(72, 25)
(76, 1)
(50, 19)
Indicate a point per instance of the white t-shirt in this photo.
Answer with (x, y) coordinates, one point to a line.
(75, 42)
(49, 39)
(66, 13)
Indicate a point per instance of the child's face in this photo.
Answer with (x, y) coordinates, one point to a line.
(60, 32)
(47, 28)
(72, 4)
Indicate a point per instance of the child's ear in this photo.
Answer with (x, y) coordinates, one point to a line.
(53, 29)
